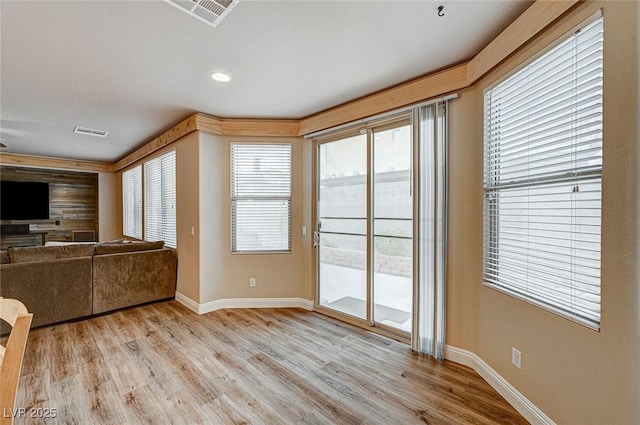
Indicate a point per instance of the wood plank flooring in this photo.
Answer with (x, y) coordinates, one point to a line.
(163, 364)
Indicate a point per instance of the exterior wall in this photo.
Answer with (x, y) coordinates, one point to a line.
(223, 275)
(187, 211)
(575, 375)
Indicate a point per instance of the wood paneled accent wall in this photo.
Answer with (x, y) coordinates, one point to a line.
(73, 202)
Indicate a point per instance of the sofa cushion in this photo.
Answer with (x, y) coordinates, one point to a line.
(117, 248)
(59, 243)
(116, 241)
(48, 253)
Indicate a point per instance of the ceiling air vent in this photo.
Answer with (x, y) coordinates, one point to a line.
(211, 12)
(90, 132)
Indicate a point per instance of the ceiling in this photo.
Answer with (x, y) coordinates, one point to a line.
(136, 68)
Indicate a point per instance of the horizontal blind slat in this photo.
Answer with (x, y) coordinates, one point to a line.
(542, 179)
(132, 202)
(260, 197)
(160, 199)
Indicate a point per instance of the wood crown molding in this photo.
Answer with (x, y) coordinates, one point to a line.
(407, 93)
(529, 24)
(532, 21)
(53, 163)
(215, 125)
(178, 131)
(247, 127)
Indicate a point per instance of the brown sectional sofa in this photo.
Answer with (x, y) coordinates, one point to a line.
(59, 283)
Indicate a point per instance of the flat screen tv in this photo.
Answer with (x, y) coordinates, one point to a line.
(24, 200)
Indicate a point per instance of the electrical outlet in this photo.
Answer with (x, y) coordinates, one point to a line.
(252, 282)
(516, 357)
(304, 230)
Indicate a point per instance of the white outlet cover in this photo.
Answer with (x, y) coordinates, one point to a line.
(516, 358)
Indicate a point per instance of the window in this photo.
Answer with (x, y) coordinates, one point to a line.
(132, 202)
(160, 199)
(543, 178)
(260, 197)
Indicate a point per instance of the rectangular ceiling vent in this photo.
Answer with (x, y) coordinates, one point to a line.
(90, 132)
(211, 12)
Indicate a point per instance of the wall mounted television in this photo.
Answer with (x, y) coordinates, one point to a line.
(24, 200)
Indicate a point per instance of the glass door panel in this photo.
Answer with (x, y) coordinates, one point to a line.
(342, 225)
(393, 228)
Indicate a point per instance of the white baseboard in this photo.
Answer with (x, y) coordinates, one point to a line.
(526, 408)
(519, 402)
(187, 302)
(243, 303)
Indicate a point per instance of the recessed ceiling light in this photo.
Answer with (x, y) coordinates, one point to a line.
(219, 76)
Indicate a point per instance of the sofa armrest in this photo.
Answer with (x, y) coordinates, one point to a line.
(132, 278)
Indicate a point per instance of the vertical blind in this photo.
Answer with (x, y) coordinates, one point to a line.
(132, 202)
(160, 199)
(543, 178)
(260, 197)
(429, 333)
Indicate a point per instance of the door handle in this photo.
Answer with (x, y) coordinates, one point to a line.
(316, 238)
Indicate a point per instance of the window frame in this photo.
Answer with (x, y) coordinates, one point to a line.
(143, 190)
(569, 175)
(171, 242)
(233, 199)
(140, 190)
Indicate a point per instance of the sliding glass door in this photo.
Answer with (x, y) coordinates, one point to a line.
(341, 232)
(392, 227)
(364, 225)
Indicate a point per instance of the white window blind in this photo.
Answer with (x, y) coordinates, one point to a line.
(132, 202)
(543, 177)
(160, 199)
(260, 197)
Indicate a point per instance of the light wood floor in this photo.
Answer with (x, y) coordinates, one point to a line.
(162, 364)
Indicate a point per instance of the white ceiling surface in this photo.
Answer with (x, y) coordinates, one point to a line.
(135, 68)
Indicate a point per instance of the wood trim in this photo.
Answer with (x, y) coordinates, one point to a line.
(15, 314)
(284, 128)
(208, 123)
(405, 94)
(247, 127)
(211, 124)
(53, 163)
(533, 20)
(183, 128)
(530, 23)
